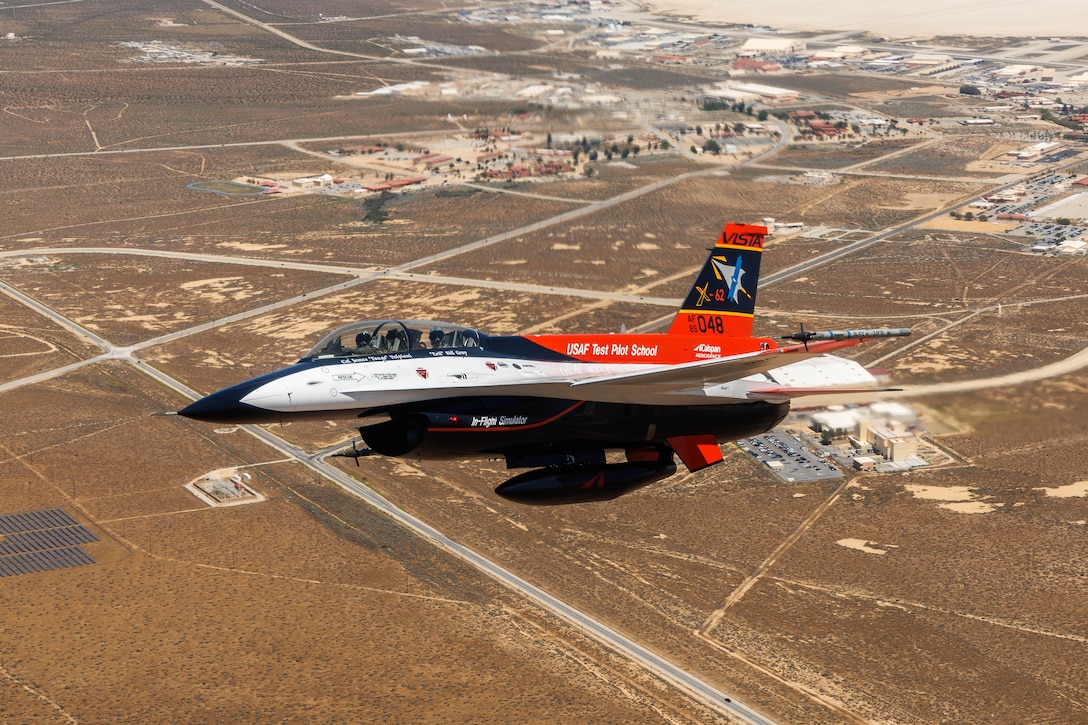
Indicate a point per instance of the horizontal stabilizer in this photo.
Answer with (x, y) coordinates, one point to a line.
(782, 393)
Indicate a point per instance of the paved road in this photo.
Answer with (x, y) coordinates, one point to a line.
(673, 674)
(609, 637)
(620, 643)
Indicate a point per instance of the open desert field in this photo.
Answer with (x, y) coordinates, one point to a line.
(836, 156)
(954, 156)
(950, 593)
(30, 344)
(362, 619)
(931, 582)
(657, 235)
(128, 299)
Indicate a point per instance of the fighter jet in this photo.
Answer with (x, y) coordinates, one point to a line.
(559, 404)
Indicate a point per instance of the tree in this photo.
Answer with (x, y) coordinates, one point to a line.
(373, 210)
(698, 130)
(969, 90)
(763, 114)
(548, 142)
(712, 147)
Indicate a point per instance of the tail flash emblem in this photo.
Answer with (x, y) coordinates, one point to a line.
(421, 372)
(733, 273)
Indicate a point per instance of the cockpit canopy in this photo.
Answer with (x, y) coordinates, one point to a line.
(385, 337)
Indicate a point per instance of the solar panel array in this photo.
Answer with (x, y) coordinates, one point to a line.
(42, 541)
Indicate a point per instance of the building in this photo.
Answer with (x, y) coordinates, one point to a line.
(894, 445)
(394, 184)
(1034, 151)
(823, 128)
(929, 59)
(774, 47)
(864, 463)
(752, 65)
(731, 95)
(768, 94)
(323, 180)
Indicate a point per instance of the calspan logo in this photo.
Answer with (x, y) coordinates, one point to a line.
(731, 273)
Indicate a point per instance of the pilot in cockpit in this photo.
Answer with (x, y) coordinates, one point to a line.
(363, 343)
(436, 336)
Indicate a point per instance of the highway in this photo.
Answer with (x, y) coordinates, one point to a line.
(610, 638)
(657, 664)
(602, 633)
(653, 662)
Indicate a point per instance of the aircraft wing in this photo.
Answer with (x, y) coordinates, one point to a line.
(701, 374)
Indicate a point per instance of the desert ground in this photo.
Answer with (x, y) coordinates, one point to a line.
(952, 593)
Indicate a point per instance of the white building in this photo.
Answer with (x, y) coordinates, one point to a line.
(772, 46)
(929, 59)
(769, 94)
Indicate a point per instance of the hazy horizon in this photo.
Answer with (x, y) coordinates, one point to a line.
(1010, 18)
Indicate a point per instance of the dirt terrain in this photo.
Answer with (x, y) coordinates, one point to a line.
(30, 344)
(946, 594)
(128, 299)
(361, 619)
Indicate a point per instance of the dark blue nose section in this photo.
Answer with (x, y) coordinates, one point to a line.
(225, 407)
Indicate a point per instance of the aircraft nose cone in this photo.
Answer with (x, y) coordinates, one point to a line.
(225, 406)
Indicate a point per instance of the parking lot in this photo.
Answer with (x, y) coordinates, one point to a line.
(789, 457)
(1043, 233)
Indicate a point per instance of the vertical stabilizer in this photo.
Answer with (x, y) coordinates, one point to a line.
(723, 299)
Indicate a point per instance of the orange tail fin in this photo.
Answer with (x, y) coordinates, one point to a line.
(723, 298)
